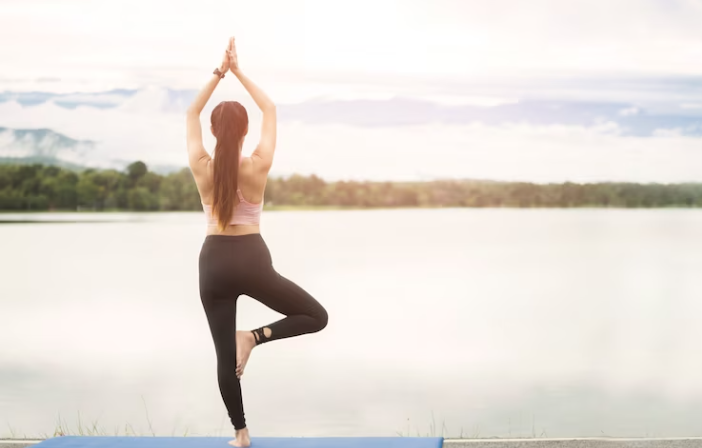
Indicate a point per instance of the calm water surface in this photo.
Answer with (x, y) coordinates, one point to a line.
(472, 322)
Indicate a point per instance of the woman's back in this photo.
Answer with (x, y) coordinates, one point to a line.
(250, 195)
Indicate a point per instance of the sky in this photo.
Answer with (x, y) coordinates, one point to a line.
(539, 91)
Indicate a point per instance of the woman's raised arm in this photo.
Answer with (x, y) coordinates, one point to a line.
(263, 154)
(196, 150)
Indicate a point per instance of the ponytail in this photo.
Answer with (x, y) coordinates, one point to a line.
(229, 123)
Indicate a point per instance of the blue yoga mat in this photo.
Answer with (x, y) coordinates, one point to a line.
(256, 442)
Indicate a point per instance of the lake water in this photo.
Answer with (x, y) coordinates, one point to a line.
(461, 322)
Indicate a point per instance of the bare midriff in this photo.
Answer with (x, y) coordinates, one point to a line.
(234, 230)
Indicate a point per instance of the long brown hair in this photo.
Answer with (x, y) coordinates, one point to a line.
(229, 125)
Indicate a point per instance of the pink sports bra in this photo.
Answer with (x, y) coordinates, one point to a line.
(245, 213)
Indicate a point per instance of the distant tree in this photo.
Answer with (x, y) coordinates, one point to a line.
(179, 192)
(141, 199)
(136, 170)
(87, 191)
(150, 181)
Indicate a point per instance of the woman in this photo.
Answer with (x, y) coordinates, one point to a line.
(234, 258)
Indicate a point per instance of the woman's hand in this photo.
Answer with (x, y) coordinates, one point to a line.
(224, 66)
(231, 52)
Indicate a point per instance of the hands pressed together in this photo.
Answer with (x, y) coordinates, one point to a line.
(229, 60)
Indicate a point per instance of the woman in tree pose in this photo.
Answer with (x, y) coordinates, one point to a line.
(234, 258)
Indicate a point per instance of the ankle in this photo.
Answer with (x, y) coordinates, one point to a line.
(261, 335)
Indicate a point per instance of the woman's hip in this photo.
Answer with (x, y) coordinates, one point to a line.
(233, 256)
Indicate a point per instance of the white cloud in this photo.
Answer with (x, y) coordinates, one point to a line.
(518, 152)
(675, 132)
(140, 129)
(123, 133)
(472, 100)
(629, 111)
(42, 144)
(107, 43)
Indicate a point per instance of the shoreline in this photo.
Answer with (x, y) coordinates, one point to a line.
(294, 208)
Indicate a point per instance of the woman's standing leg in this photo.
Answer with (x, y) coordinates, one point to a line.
(221, 317)
(219, 264)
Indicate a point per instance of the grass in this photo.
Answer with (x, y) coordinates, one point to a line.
(93, 428)
(474, 433)
(432, 430)
(62, 428)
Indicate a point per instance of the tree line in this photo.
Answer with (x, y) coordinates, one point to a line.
(46, 187)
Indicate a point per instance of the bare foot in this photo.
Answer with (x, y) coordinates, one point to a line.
(245, 342)
(242, 438)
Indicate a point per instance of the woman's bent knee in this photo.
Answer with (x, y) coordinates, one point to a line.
(322, 319)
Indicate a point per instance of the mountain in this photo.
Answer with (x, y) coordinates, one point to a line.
(632, 120)
(43, 146)
(47, 147)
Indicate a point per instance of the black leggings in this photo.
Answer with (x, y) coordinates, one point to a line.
(234, 265)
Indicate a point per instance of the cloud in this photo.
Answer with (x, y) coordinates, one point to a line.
(552, 153)
(675, 132)
(560, 141)
(629, 111)
(370, 109)
(431, 39)
(43, 143)
(119, 133)
(97, 99)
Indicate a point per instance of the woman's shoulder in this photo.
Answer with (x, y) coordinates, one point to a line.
(250, 171)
